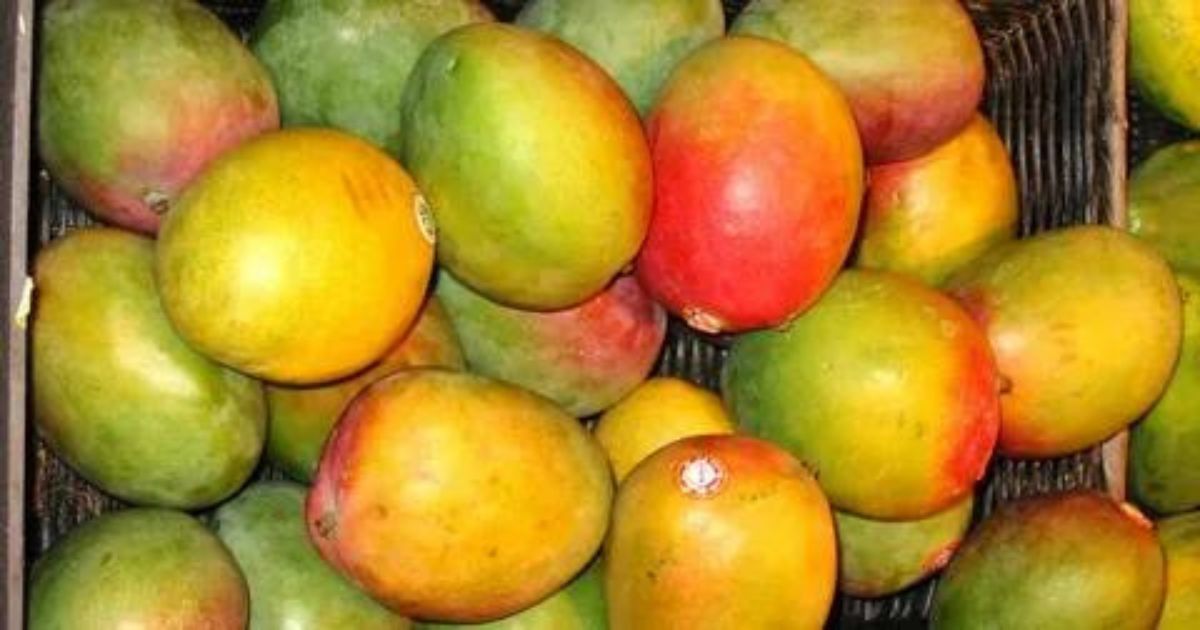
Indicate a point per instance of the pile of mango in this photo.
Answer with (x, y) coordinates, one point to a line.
(423, 262)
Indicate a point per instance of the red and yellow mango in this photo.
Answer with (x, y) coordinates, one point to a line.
(758, 178)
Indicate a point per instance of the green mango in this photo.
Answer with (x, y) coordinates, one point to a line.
(639, 42)
(533, 162)
(119, 395)
(878, 558)
(139, 568)
(291, 588)
(1164, 448)
(344, 63)
(1164, 204)
(135, 98)
(1074, 560)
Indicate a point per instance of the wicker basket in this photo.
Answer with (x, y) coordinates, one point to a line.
(1056, 93)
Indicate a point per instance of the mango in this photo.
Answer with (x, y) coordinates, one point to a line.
(345, 64)
(300, 257)
(119, 395)
(585, 358)
(758, 177)
(578, 606)
(638, 42)
(1164, 44)
(720, 532)
(1180, 539)
(135, 98)
(452, 497)
(533, 161)
(1085, 324)
(913, 70)
(1164, 204)
(1077, 560)
(878, 558)
(290, 586)
(302, 417)
(1164, 447)
(659, 411)
(137, 568)
(886, 389)
(932, 215)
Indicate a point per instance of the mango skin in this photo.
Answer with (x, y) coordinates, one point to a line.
(932, 215)
(578, 606)
(637, 42)
(1085, 323)
(302, 417)
(290, 586)
(299, 257)
(913, 70)
(344, 64)
(135, 98)
(1060, 561)
(659, 411)
(689, 522)
(428, 460)
(1164, 45)
(533, 161)
(886, 389)
(878, 558)
(758, 177)
(1164, 446)
(137, 568)
(119, 395)
(584, 358)
(1164, 204)
(1180, 539)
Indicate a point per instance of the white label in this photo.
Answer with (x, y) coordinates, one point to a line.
(425, 218)
(701, 476)
(21, 317)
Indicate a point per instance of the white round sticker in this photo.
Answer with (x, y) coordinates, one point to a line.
(701, 476)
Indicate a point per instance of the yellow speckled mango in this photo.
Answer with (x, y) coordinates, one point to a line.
(298, 257)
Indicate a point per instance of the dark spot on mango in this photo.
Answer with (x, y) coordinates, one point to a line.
(326, 525)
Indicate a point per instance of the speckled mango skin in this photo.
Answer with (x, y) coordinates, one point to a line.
(886, 390)
(1077, 560)
(1164, 447)
(584, 358)
(344, 63)
(912, 70)
(878, 558)
(756, 551)
(577, 606)
(298, 257)
(1164, 204)
(119, 395)
(533, 161)
(1180, 539)
(758, 178)
(138, 568)
(302, 417)
(1164, 55)
(1085, 323)
(135, 98)
(428, 460)
(932, 215)
(638, 42)
(290, 586)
